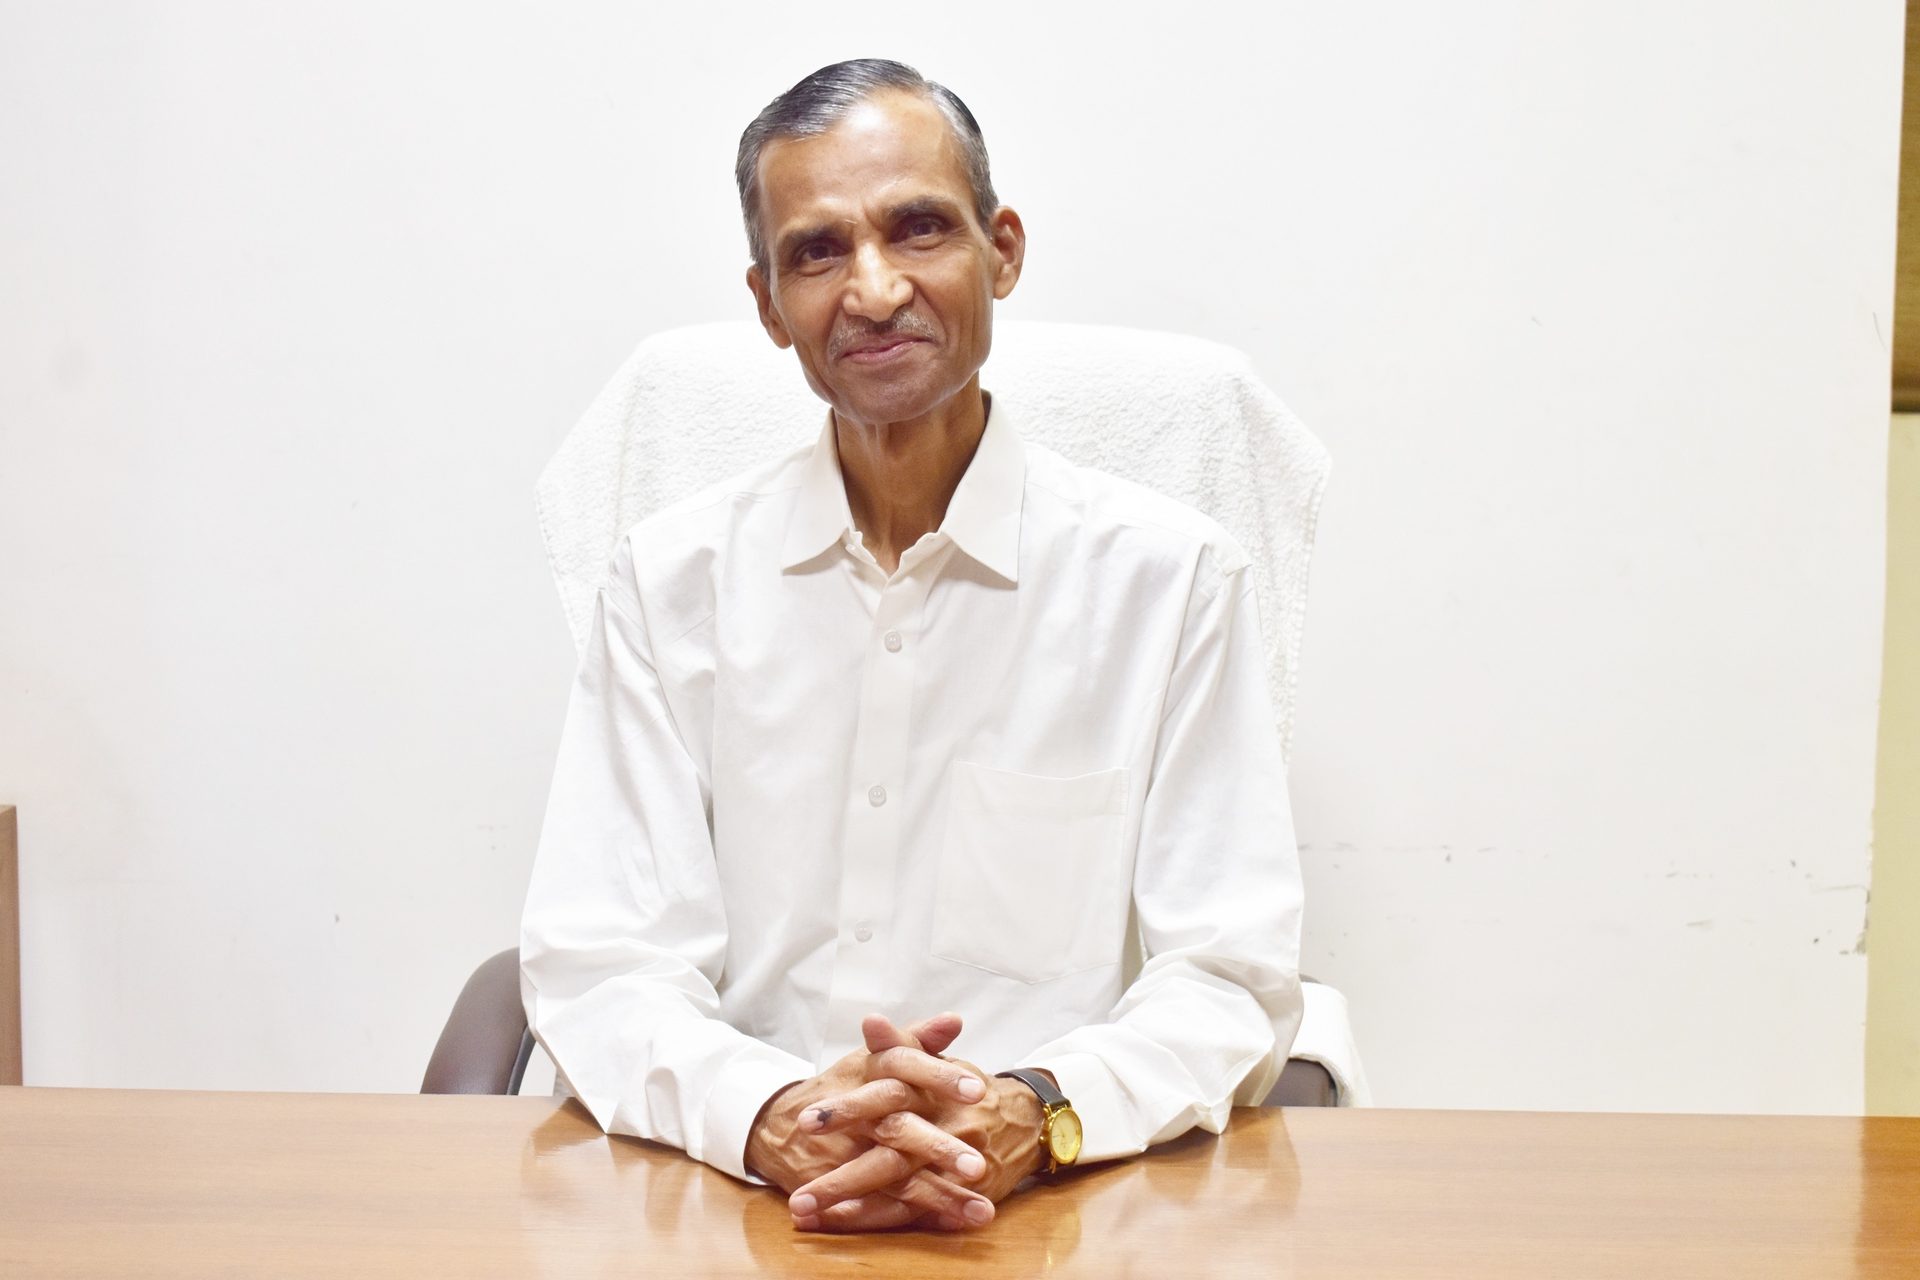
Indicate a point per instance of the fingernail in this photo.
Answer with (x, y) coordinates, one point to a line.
(814, 1121)
(978, 1211)
(807, 1224)
(971, 1089)
(802, 1206)
(971, 1165)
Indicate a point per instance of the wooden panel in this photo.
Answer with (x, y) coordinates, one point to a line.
(1906, 292)
(1893, 934)
(10, 1056)
(101, 1182)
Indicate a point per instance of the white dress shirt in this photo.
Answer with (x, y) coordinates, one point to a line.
(1031, 777)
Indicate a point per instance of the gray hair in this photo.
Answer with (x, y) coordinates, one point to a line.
(823, 100)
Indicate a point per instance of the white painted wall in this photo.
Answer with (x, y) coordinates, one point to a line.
(1589, 302)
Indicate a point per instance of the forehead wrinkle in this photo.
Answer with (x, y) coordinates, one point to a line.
(872, 137)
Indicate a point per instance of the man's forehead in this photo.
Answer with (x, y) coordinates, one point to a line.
(891, 147)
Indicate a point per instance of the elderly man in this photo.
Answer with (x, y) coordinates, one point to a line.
(921, 717)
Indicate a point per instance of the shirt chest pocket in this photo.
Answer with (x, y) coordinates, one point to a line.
(1034, 881)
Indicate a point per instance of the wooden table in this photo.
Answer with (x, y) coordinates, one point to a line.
(118, 1183)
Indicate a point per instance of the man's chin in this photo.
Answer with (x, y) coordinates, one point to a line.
(882, 405)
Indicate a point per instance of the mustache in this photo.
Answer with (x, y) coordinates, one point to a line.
(849, 332)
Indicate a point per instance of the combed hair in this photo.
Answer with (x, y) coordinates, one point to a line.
(823, 100)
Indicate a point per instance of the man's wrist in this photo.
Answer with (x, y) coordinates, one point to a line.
(757, 1130)
(1041, 1157)
(1036, 1164)
(1032, 1115)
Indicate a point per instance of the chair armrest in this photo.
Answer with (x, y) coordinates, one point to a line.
(1303, 1083)
(485, 1045)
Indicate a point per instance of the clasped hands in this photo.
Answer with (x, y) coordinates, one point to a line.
(895, 1135)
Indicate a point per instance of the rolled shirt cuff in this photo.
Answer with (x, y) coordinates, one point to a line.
(1107, 1124)
(1326, 1037)
(740, 1089)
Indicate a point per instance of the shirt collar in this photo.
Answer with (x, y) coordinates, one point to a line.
(983, 517)
(820, 512)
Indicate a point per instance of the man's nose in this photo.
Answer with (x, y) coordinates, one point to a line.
(875, 287)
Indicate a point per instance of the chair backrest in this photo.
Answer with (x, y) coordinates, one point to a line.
(1182, 416)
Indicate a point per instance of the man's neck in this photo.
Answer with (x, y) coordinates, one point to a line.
(901, 475)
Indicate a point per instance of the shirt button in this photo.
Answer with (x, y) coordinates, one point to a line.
(893, 641)
(863, 934)
(877, 796)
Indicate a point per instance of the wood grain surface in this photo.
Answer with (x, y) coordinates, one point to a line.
(1906, 290)
(124, 1183)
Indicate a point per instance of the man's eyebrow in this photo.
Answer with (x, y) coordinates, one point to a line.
(923, 206)
(791, 240)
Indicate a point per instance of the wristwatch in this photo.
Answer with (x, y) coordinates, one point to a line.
(1059, 1123)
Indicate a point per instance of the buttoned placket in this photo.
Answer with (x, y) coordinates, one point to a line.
(863, 955)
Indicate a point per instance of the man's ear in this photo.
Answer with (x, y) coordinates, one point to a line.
(1009, 238)
(769, 318)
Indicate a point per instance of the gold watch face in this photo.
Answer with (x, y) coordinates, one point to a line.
(1063, 1136)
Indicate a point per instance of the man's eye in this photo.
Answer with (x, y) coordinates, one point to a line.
(923, 227)
(817, 251)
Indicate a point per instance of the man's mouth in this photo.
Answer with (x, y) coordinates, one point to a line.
(879, 350)
(879, 343)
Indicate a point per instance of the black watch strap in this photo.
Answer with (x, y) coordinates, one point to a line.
(1049, 1092)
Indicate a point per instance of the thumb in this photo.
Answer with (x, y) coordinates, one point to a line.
(881, 1035)
(936, 1033)
(930, 1036)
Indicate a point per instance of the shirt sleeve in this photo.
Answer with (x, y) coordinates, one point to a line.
(1207, 1023)
(624, 932)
